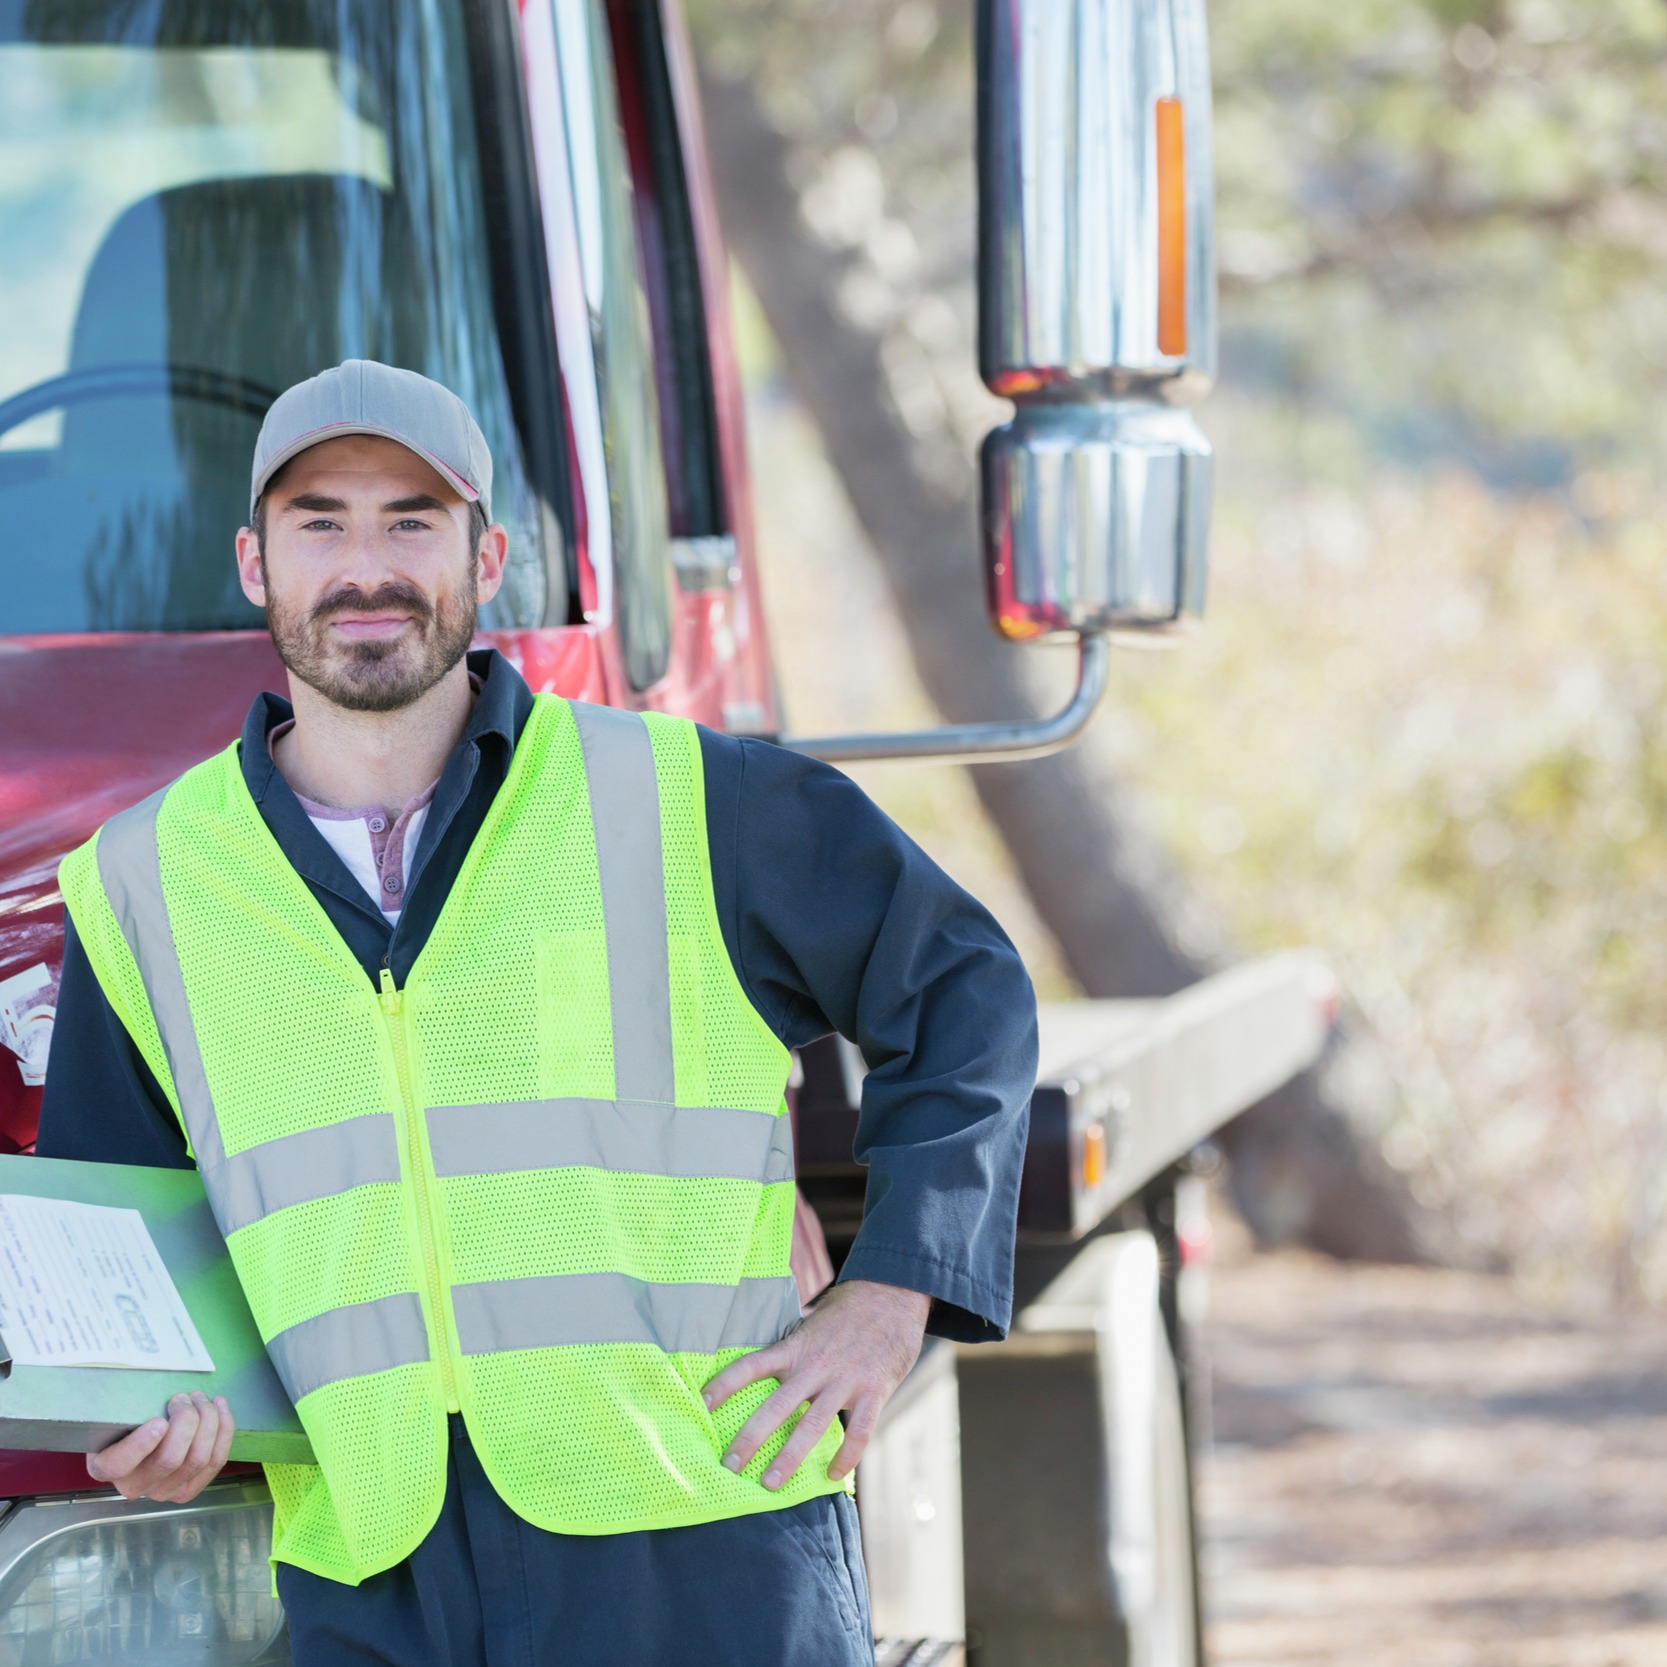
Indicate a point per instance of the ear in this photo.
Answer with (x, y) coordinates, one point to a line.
(489, 561)
(248, 566)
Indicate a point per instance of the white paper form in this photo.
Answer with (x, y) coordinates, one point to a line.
(83, 1285)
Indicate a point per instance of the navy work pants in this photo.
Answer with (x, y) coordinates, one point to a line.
(486, 1589)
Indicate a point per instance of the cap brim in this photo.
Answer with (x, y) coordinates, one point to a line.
(338, 431)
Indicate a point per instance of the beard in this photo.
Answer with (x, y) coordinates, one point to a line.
(374, 676)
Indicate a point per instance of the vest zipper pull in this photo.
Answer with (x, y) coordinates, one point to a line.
(390, 996)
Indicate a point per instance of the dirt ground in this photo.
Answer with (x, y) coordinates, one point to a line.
(1420, 1467)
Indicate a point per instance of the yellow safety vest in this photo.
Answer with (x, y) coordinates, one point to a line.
(548, 1183)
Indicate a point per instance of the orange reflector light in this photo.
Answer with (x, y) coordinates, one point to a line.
(1094, 1154)
(1172, 229)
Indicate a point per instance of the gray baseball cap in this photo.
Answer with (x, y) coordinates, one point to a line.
(364, 397)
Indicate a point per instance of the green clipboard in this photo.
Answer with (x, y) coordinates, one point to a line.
(77, 1409)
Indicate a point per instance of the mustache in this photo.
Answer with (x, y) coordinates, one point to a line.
(391, 597)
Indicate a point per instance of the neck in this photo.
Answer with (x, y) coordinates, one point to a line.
(350, 759)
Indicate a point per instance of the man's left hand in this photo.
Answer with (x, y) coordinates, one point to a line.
(853, 1349)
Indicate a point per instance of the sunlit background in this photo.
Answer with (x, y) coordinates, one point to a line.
(1421, 730)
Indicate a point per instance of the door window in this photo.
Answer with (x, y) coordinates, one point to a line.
(613, 397)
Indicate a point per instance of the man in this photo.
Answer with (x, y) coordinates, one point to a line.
(474, 1009)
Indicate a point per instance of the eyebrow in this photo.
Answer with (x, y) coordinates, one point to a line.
(320, 504)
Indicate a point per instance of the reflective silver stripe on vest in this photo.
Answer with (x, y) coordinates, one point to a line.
(350, 1342)
(130, 867)
(625, 811)
(703, 1143)
(580, 1308)
(299, 1168)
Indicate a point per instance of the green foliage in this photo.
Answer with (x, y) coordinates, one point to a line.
(1426, 730)
(1489, 177)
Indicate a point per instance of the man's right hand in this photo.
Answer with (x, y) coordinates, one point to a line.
(172, 1458)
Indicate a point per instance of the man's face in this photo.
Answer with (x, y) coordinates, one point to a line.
(368, 577)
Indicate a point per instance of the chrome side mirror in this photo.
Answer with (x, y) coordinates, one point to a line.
(1097, 311)
(1095, 520)
(1097, 319)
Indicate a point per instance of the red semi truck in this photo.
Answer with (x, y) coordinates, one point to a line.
(204, 201)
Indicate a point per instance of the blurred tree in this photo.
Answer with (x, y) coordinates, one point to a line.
(1440, 223)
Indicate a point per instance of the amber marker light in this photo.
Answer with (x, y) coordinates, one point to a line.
(1093, 1155)
(1172, 229)
(1013, 382)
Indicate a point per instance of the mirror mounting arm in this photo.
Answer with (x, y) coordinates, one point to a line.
(983, 743)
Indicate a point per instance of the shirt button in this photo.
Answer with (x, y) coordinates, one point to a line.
(378, 823)
(390, 882)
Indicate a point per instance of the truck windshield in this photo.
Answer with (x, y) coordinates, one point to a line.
(202, 202)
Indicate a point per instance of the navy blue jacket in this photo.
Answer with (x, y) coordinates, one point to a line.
(835, 920)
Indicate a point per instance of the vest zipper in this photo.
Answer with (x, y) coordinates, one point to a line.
(393, 1010)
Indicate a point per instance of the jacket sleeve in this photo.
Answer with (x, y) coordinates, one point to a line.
(836, 920)
(101, 1102)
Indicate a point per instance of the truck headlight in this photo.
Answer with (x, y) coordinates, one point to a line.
(96, 1579)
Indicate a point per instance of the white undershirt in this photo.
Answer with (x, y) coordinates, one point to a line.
(349, 838)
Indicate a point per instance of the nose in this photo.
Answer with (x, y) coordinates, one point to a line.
(365, 559)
